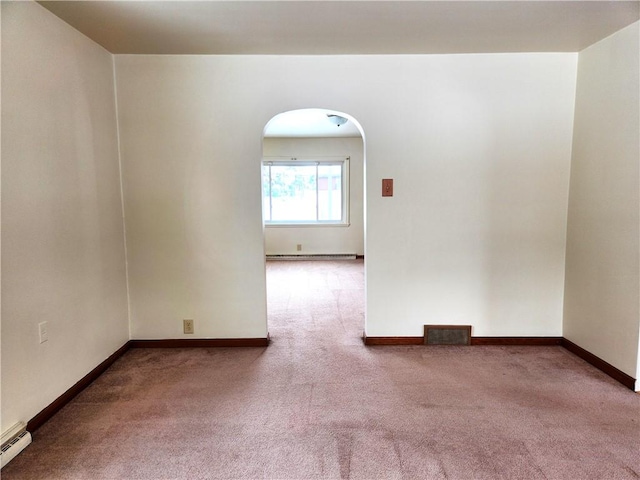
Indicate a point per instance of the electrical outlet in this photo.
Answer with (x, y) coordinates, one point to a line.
(187, 326)
(43, 330)
(299, 247)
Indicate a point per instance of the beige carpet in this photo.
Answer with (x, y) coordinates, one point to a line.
(317, 403)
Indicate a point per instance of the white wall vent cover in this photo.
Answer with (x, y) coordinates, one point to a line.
(14, 441)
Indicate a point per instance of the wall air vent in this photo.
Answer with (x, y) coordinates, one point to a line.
(447, 334)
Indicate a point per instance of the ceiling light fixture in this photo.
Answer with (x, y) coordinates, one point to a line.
(337, 119)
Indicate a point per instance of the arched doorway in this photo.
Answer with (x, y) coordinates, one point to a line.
(313, 213)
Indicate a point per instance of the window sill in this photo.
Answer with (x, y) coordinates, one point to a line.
(305, 225)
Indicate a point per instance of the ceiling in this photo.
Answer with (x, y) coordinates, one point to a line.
(310, 122)
(344, 27)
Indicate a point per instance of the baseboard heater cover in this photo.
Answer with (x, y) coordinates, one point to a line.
(13, 442)
(339, 256)
(447, 334)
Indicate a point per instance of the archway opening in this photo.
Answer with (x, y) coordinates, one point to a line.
(313, 200)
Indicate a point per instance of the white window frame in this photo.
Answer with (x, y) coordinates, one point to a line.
(306, 161)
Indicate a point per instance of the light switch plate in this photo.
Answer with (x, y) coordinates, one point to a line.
(387, 187)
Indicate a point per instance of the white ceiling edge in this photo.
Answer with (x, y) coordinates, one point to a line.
(310, 123)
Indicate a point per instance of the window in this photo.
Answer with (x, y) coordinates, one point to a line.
(305, 192)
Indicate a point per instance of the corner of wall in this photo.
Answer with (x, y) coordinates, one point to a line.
(124, 224)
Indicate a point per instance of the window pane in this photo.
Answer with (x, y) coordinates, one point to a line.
(266, 208)
(330, 192)
(293, 193)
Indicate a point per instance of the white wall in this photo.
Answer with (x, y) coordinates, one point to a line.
(479, 147)
(62, 238)
(601, 311)
(321, 239)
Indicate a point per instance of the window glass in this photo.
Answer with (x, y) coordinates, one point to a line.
(293, 193)
(330, 192)
(304, 192)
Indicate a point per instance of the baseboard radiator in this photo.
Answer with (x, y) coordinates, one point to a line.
(338, 256)
(14, 441)
(447, 334)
